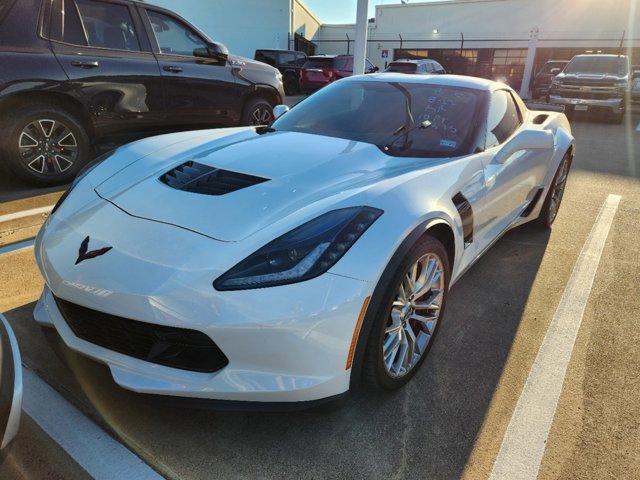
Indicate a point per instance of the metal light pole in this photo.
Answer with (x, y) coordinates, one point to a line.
(360, 48)
(528, 66)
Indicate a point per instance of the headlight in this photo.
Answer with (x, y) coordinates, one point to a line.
(81, 174)
(304, 253)
(621, 87)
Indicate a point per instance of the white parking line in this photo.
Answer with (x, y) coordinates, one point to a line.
(25, 213)
(91, 447)
(12, 247)
(525, 439)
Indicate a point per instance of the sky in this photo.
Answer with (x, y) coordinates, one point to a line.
(343, 11)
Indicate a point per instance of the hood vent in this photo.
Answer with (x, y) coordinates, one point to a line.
(198, 178)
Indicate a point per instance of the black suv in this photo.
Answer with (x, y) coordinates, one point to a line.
(78, 74)
(289, 62)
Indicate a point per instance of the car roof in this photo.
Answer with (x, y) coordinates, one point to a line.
(602, 55)
(413, 60)
(444, 80)
(273, 49)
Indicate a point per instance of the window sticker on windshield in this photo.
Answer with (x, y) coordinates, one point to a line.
(448, 143)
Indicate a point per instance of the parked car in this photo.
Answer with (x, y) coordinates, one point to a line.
(77, 73)
(543, 78)
(376, 195)
(635, 88)
(288, 62)
(594, 83)
(421, 66)
(321, 70)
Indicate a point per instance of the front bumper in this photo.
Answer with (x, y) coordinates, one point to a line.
(284, 344)
(613, 105)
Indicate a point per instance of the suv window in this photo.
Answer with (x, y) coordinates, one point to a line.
(173, 36)
(5, 7)
(267, 57)
(107, 25)
(503, 118)
(68, 27)
(301, 58)
(288, 59)
(319, 62)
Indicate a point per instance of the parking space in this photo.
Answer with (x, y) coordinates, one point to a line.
(451, 420)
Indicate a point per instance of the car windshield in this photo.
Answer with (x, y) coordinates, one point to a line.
(611, 65)
(402, 67)
(387, 114)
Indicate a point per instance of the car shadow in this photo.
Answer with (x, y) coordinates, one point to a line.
(426, 430)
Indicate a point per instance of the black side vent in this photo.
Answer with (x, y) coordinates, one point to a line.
(466, 213)
(198, 178)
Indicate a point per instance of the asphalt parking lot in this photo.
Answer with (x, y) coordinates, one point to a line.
(451, 420)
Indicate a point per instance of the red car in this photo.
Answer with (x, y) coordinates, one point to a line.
(321, 70)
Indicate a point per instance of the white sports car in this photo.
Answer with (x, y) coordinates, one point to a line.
(290, 263)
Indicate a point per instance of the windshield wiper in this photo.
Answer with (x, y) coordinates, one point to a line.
(264, 129)
(407, 131)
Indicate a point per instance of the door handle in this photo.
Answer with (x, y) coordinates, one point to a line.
(171, 68)
(85, 63)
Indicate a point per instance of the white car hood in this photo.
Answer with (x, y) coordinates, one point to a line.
(302, 170)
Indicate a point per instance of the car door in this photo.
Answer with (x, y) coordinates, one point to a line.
(103, 50)
(198, 91)
(511, 183)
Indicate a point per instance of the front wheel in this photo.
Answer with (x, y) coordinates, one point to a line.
(409, 316)
(257, 112)
(552, 202)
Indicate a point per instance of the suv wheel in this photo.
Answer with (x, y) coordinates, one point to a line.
(257, 112)
(44, 145)
(291, 86)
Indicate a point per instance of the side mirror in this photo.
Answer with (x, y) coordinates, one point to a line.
(376, 69)
(215, 51)
(279, 110)
(555, 71)
(526, 140)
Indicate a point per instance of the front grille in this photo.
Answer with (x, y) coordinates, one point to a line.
(169, 346)
(591, 95)
(198, 178)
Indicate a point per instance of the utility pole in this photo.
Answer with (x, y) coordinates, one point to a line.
(362, 26)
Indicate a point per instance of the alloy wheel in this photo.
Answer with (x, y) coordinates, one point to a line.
(558, 190)
(47, 147)
(414, 315)
(262, 115)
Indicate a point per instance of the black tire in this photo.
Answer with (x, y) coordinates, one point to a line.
(547, 216)
(290, 83)
(28, 159)
(257, 112)
(375, 373)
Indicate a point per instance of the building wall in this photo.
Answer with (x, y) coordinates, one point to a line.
(305, 23)
(497, 33)
(243, 26)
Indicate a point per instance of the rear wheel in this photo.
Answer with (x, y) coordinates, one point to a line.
(290, 83)
(554, 196)
(409, 316)
(44, 145)
(257, 112)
